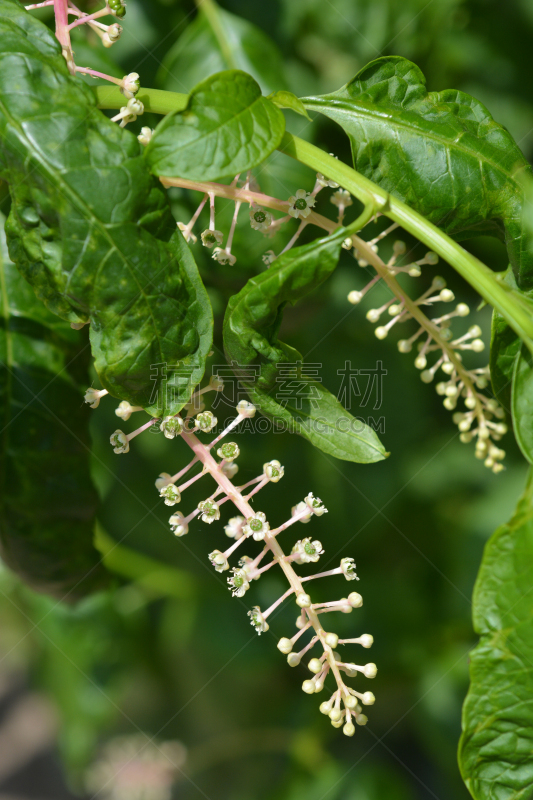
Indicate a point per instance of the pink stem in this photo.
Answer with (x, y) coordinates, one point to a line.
(278, 601)
(39, 5)
(141, 429)
(225, 432)
(178, 475)
(191, 481)
(259, 486)
(88, 17)
(336, 571)
(62, 33)
(93, 73)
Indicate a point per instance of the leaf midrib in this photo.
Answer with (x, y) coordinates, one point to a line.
(398, 123)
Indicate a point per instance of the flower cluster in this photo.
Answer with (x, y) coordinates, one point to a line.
(436, 346)
(250, 525)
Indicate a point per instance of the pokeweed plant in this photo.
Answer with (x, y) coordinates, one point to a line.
(90, 229)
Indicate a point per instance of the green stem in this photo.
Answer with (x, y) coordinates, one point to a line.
(504, 299)
(212, 14)
(154, 100)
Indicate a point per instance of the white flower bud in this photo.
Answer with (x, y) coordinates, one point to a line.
(341, 198)
(92, 397)
(246, 409)
(355, 297)
(285, 645)
(308, 687)
(448, 368)
(370, 670)
(367, 640)
(426, 376)
(145, 135)
(421, 362)
(315, 665)
(381, 332)
(349, 729)
(361, 719)
(325, 707)
(350, 701)
(130, 85)
(293, 659)
(368, 699)
(178, 525)
(125, 410)
(462, 310)
(230, 469)
(303, 600)
(438, 282)
(405, 346)
(474, 330)
(414, 271)
(431, 258)
(335, 714)
(299, 508)
(331, 640)
(163, 480)
(446, 296)
(234, 528)
(398, 248)
(112, 34)
(373, 315)
(478, 345)
(355, 600)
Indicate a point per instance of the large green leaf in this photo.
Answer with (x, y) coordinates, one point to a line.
(228, 127)
(90, 228)
(495, 752)
(217, 40)
(48, 503)
(439, 152)
(272, 372)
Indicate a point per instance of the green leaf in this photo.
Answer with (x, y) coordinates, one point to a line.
(48, 504)
(217, 40)
(522, 401)
(497, 740)
(504, 347)
(91, 229)
(251, 326)
(284, 99)
(228, 127)
(439, 152)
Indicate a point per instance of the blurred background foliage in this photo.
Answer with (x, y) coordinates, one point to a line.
(166, 654)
